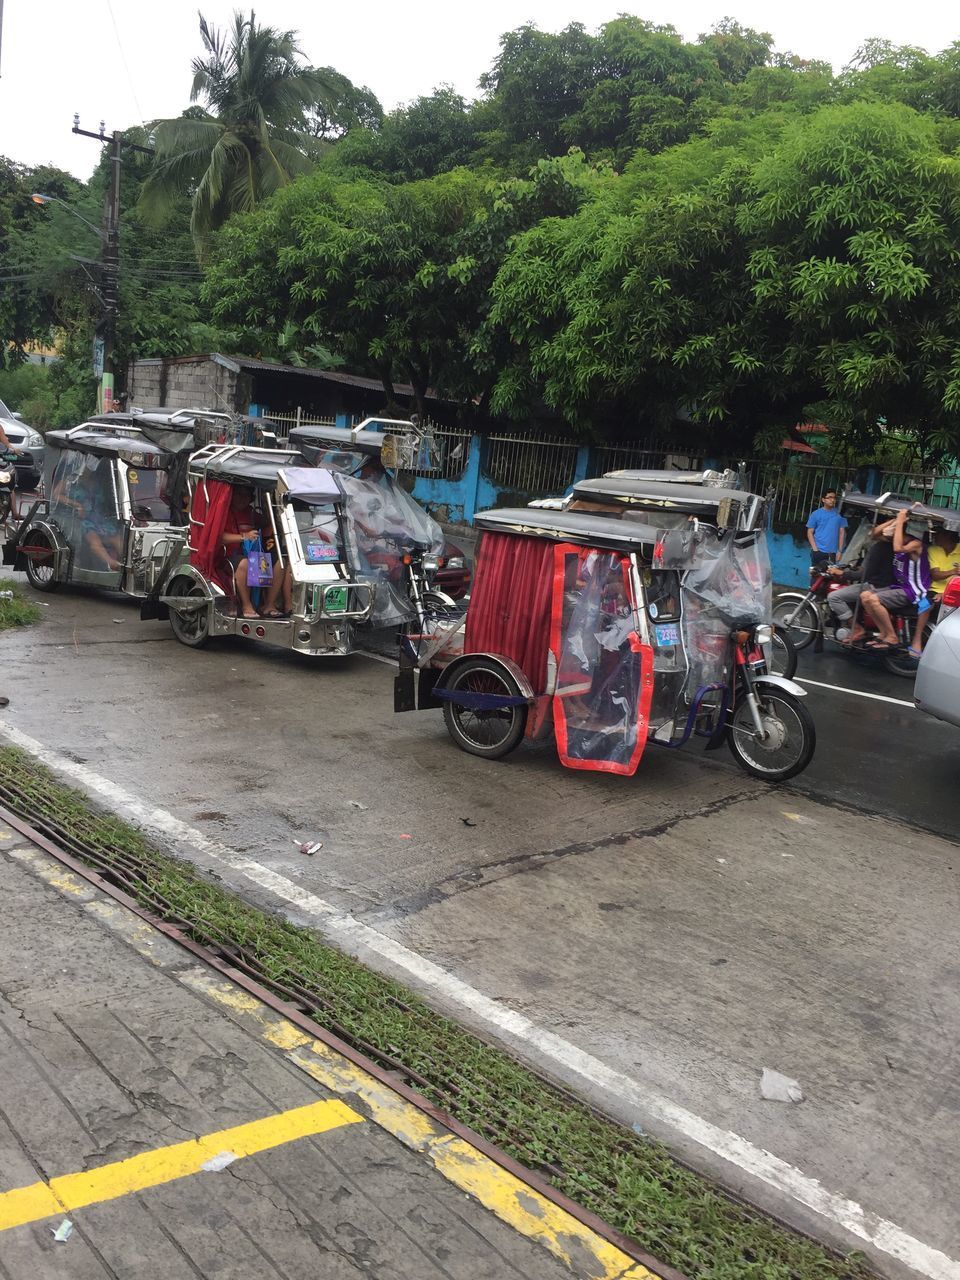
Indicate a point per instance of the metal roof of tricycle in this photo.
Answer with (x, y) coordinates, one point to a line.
(629, 489)
(949, 517)
(132, 448)
(580, 527)
(242, 465)
(343, 438)
(707, 478)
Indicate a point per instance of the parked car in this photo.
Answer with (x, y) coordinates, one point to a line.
(31, 444)
(937, 688)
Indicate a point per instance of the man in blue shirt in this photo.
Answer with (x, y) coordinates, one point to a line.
(826, 530)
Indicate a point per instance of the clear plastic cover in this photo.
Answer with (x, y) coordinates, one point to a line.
(729, 585)
(604, 675)
(383, 524)
(84, 505)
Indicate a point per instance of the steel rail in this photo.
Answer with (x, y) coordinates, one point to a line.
(241, 972)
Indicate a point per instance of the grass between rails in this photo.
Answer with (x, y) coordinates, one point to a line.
(629, 1181)
(17, 612)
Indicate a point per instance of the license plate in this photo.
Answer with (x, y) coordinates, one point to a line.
(335, 600)
(668, 633)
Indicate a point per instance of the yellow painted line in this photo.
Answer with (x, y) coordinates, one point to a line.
(73, 1191)
(530, 1213)
(508, 1197)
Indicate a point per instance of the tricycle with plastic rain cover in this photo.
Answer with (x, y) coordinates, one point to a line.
(287, 554)
(612, 631)
(113, 513)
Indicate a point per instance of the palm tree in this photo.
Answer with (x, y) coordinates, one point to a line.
(249, 137)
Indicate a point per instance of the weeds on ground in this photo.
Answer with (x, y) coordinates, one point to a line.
(16, 611)
(629, 1181)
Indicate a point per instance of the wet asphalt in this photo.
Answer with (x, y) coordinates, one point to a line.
(686, 927)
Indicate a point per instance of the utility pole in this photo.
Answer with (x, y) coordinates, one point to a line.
(110, 259)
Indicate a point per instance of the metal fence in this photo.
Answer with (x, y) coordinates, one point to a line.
(534, 465)
(450, 454)
(796, 490)
(648, 454)
(928, 487)
(284, 421)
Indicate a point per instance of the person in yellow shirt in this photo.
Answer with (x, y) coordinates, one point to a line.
(944, 560)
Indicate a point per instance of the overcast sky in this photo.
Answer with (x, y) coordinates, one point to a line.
(127, 61)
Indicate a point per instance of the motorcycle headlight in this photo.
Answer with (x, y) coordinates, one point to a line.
(430, 564)
(764, 634)
(456, 562)
(6, 477)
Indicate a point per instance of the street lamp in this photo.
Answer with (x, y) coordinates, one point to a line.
(39, 197)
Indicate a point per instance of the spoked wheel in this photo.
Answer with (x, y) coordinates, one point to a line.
(39, 556)
(798, 617)
(788, 741)
(783, 654)
(192, 627)
(490, 732)
(899, 662)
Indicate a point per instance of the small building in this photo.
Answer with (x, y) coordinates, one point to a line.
(241, 384)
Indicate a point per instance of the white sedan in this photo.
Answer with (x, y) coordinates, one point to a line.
(937, 688)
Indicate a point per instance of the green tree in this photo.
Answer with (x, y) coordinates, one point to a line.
(251, 135)
(431, 135)
(822, 274)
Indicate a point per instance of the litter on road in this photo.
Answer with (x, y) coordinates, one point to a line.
(779, 1088)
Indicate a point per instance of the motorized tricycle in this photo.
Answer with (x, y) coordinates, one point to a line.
(374, 456)
(689, 500)
(113, 507)
(611, 632)
(807, 615)
(333, 537)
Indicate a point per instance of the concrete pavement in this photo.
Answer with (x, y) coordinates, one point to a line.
(157, 1121)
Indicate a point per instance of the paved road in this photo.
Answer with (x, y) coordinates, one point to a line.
(655, 941)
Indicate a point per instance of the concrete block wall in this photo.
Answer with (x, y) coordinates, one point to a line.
(185, 384)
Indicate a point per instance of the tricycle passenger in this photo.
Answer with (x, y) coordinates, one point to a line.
(944, 561)
(875, 574)
(244, 524)
(911, 586)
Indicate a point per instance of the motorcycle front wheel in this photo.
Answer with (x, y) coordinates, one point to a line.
(783, 654)
(788, 741)
(798, 617)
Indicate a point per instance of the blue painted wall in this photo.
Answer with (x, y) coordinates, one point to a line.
(789, 560)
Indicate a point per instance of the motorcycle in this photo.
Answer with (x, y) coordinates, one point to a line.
(8, 482)
(808, 619)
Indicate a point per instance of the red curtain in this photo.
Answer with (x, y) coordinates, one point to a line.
(510, 602)
(208, 517)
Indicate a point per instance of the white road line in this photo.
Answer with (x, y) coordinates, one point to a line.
(378, 657)
(883, 1235)
(857, 693)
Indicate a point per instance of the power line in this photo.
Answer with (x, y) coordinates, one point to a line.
(126, 66)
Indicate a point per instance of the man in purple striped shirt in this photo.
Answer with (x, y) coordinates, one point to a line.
(911, 586)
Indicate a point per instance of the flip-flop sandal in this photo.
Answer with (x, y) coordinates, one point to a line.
(915, 653)
(877, 646)
(272, 613)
